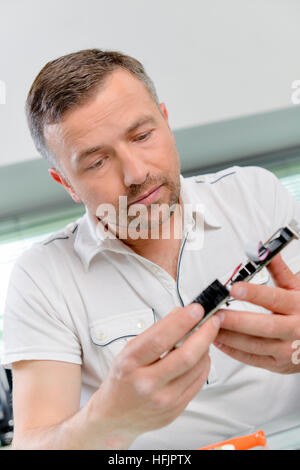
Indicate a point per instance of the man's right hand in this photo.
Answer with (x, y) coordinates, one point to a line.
(144, 391)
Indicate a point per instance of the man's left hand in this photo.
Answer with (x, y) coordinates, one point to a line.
(269, 341)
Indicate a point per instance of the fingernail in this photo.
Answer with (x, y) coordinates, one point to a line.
(218, 345)
(238, 291)
(216, 320)
(196, 310)
(221, 315)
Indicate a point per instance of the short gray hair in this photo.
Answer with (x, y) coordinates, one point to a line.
(68, 82)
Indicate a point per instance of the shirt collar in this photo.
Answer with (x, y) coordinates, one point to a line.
(189, 196)
(89, 241)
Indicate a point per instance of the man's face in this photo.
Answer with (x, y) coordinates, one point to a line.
(117, 144)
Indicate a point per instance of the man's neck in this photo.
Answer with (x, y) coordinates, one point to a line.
(162, 251)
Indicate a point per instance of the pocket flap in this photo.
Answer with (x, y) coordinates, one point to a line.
(129, 324)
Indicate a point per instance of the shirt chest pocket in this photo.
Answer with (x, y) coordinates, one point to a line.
(110, 335)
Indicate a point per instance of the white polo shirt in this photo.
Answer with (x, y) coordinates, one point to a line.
(77, 298)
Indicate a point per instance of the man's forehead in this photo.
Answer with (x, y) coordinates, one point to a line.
(120, 104)
(80, 135)
(85, 141)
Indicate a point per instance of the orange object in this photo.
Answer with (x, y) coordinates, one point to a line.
(240, 443)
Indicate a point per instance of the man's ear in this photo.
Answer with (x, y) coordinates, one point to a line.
(165, 114)
(58, 177)
(164, 111)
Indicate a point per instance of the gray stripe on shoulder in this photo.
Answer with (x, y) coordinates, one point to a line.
(53, 239)
(213, 182)
(61, 238)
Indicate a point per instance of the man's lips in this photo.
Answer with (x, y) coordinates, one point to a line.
(148, 197)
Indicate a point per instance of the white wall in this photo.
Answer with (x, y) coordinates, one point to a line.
(210, 59)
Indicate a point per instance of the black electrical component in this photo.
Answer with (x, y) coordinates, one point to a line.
(212, 296)
(216, 294)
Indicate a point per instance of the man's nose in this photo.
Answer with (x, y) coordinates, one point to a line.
(134, 169)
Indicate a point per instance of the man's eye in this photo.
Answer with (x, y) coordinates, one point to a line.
(97, 164)
(143, 136)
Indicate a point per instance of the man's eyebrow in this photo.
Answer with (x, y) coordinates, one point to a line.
(141, 122)
(133, 127)
(86, 153)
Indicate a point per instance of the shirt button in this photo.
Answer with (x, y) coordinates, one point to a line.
(71, 227)
(154, 269)
(141, 324)
(101, 336)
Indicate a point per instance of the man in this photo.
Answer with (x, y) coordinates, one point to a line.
(89, 318)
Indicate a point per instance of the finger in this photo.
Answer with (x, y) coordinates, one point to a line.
(183, 382)
(148, 346)
(249, 344)
(186, 356)
(194, 388)
(275, 299)
(265, 362)
(282, 275)
(257, 324)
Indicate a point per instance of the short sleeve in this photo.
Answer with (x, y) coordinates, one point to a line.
(279, 206)
(33, 323)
